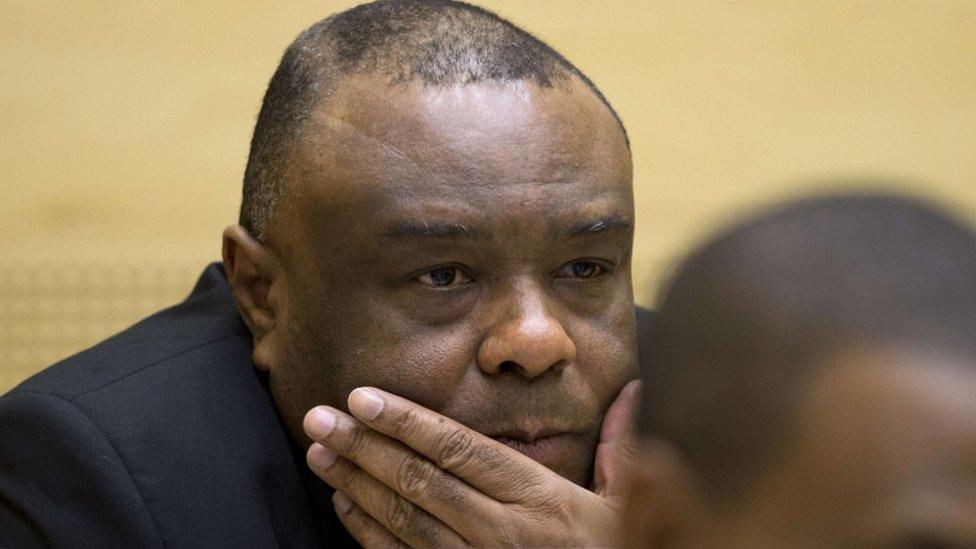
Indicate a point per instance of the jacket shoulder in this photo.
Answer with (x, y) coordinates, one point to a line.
(173, 408)
(208, 315)
(62, 482)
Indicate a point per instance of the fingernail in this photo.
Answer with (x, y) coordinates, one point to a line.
(319, 422)
(321, 457)
(342, 502)
(365, 403)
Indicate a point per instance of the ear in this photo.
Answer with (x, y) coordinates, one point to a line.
(662, 503)
(256, 280)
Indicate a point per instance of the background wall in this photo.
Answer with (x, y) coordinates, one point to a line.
(124, 129)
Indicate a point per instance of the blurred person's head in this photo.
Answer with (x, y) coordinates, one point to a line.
(814, 384)
(438, 204)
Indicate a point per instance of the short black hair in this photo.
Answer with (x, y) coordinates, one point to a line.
(756, 312)
(436, 42)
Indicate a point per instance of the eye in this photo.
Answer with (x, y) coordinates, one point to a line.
(444, 277)
(581, 268)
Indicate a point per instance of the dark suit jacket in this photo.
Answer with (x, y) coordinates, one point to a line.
(163, 435)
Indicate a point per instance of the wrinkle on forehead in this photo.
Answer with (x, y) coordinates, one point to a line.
(342, 130)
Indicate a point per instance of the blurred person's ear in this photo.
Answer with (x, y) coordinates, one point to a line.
(662, 503)
(255, 277)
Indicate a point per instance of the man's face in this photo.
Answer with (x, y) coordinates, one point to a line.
(467, 248)
(884, 456)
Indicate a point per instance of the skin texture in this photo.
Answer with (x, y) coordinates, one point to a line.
(884, 456)
(467, 248)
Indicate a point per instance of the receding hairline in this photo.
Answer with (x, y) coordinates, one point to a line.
(328, 123)
(571, 85)
(431, 41)
(363, 82)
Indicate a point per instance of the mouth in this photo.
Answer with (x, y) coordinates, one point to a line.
(546, 448)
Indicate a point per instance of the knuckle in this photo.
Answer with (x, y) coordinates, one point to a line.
(454, 450)
(348, 479)
(486, 454)
(355, 442)
(405, 422)
(401, 515)
(408, 522)
(413, 476)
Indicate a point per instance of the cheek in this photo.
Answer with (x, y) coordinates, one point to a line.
(426, 368)
(422, 365)
(606, 353)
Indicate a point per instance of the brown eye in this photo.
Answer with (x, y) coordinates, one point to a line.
(581, 269)
(444, 277)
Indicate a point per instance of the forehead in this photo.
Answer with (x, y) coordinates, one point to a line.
(410, 148)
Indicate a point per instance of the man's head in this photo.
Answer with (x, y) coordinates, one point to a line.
(439, 205)
(815, 383)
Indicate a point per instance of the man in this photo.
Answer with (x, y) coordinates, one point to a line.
(815, 385)
(436, 204)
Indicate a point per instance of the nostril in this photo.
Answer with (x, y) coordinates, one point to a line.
(508, 366)
(515, 367)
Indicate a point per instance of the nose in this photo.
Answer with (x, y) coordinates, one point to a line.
(526, 338)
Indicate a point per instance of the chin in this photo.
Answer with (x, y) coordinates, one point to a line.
(579, 472)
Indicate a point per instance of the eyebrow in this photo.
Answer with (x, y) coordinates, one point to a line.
(600, 225)
(436, 229)
(453, 230)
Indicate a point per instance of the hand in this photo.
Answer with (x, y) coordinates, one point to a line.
(406, 475)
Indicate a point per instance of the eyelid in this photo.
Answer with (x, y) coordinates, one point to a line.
(461, 271)
(422, 271)
(606, 266)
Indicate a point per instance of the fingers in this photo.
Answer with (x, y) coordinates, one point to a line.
(403, 471)
(425, 477)
(616, 441)
(618, 420)
(494, 469)
(362, 527)
(398, 516)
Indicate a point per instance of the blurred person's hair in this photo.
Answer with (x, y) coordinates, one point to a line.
(759, 309)
(434, 42)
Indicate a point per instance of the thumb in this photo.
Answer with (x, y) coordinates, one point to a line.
(616, 447)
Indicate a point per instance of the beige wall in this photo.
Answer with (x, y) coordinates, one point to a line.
(124, 128)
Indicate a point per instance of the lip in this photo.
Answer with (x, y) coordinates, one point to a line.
(524, 433)
(545, 449)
